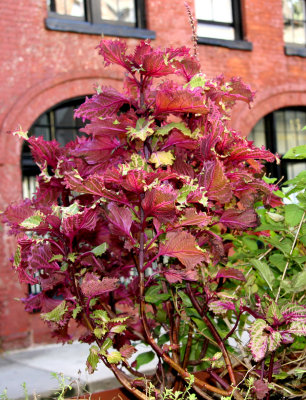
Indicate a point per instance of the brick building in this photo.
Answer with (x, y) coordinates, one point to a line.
(49, 63)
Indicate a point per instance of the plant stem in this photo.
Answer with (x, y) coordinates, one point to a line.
(270, 372)
(215, 334)
(291, 251)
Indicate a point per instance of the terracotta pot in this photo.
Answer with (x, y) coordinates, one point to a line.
(113, 394)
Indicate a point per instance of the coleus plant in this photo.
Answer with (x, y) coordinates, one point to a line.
(128, 231)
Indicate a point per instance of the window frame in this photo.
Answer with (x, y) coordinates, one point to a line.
(295, 49)
(92, 24)
(238, 42)
(277, 170)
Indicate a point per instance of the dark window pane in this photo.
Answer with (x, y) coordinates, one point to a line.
(41, 131)
(64, 117)
(118, 10)
(42, 120)
(72, 8)
(64, 136)
(258, 135)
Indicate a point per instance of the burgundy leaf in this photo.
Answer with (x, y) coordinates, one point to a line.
(237, 219)
(191, 217)
(160, 203)
(127, 350)
(113, 52)
(43, 152)
(120, 220)
(92, 286)
(216, 183)
(101, 105)
(231, 273)
(172, 98)
(73, 224)
(183, 246)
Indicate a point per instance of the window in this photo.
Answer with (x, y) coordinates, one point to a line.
(109, 17)
(219, 23)
(279, 131)
(294, 12)
(57, 123)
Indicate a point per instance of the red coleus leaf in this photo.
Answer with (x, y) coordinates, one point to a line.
(40, 257)
(172, 98)
(45, 152)
(120, 219)
(73, 224)
(40, 302)
(183, 246)
(107, 127)
(241, 90)
(239, 154)
(174, 275)
(179, 140)
(104, 104)
(114, 52)
(100, 149)
(92, 286)
(127, 350)
(160, 202)
(230, 273)
(237, 219)
(192, 217)
(215, 182)
(187, 67)
(94, 185)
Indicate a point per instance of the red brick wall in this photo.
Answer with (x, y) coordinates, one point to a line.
(40, 68)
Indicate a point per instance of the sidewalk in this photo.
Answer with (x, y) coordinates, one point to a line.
(34, 367)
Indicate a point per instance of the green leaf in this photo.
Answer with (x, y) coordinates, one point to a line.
(185, 299)
(17, 257)
(118, 328)
(20, 133)
(299, 281)
(142, 129)
(100, 332)
(72, 257)
(279, 261)
(99, 250)
(114, 357)
(106, 344)
(32, 222)
(264, 271)
(164, 130)
(76, 311)
(154, 296)
(301, 197)
(293, 214)
(162, 158)
(100, 315)
(56, 257)
(259, 342)
(144, 358)
(297, 153)
(56, 314)
(251, 244)
(92, 359)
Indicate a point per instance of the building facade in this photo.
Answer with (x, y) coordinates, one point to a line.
(49, 63)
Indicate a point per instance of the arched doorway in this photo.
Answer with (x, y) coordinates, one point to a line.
(279, 131)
